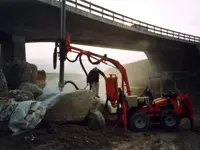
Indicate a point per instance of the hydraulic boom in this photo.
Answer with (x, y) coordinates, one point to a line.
(101, 59)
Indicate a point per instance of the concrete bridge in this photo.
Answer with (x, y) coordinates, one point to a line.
(39, 21)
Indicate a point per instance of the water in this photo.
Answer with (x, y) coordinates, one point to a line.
(51, 91)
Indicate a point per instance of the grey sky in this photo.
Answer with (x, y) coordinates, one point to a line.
(179, 15)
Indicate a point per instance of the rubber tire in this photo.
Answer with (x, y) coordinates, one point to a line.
(132, 118)
(164, 125)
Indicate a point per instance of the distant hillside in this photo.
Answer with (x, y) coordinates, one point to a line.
(138, 74)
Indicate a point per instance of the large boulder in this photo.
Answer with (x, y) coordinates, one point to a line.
(3, 85)
(72, 107)
(33, 88)
(18, 71)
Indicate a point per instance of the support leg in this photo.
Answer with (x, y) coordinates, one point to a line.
(13, 48)
(124, 117)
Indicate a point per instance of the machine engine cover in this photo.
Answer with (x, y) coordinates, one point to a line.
(132, 101)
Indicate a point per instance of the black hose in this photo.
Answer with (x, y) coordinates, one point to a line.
(82, 66)
(81, 63)
(55, 58)
(73, 60)
(94, 63)
(76, 87)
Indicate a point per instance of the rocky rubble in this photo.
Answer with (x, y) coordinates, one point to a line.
(21, 95)
(3, 85)
(26, 91)
(17, 80)
(33, 88)
(18, 91)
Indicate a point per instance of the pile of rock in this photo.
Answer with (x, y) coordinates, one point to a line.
(18, 83)
(17, 80)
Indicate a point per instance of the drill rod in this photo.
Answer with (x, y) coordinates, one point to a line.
(62, 44)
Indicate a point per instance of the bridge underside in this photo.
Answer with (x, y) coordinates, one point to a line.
(33, 21)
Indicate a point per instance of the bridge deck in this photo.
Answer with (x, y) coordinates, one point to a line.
(88, 9)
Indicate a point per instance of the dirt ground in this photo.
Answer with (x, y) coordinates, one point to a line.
(76, 137)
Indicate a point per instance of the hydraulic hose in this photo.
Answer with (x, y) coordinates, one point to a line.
(82, 66)
(71, 82)
(55, 58)
(94, 63)
(55, 54)
(73, 60)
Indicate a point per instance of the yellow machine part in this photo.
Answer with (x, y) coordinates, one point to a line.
(141, 99)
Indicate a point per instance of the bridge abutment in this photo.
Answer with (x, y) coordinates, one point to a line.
(13, 48)
(177, 67)
(187, 59)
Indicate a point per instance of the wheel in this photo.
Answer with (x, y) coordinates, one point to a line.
(139, 121)
(170, 120)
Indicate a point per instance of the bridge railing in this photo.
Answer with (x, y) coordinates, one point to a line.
(116, 17)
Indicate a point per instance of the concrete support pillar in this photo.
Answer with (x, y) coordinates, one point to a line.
(14, 48)
(19, 51)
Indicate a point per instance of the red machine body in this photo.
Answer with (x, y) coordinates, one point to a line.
(181, 105)
(112, 88)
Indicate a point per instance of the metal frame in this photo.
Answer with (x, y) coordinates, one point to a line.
(128, 21)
